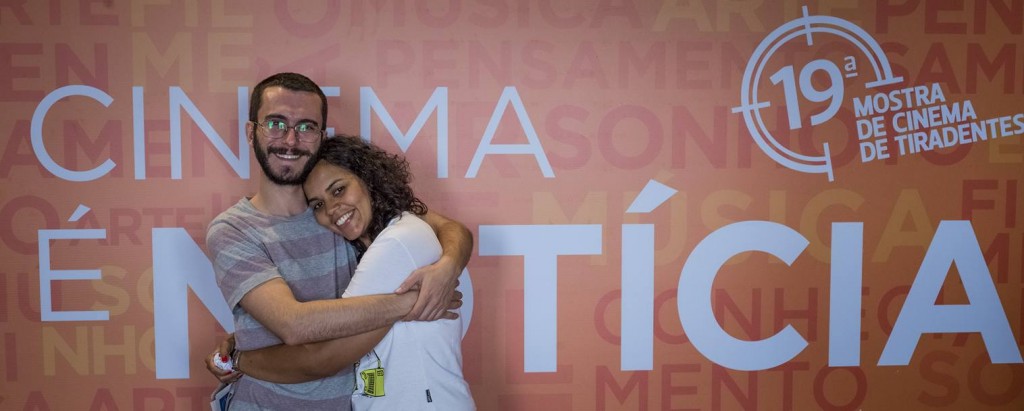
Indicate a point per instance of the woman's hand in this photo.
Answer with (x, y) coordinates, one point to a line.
(223, 351)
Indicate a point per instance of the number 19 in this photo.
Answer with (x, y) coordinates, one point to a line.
(833, 94)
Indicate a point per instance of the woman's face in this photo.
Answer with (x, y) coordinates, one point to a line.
(340, 201)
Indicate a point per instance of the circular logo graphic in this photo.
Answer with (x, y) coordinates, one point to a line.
(797, 85)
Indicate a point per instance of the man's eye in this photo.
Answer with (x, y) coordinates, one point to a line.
(302, 128)
(272, 124)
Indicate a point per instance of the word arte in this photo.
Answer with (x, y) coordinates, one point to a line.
(369, 104)
(179, 265)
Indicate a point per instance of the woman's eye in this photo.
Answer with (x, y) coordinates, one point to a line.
(316, 205)
(339, 190)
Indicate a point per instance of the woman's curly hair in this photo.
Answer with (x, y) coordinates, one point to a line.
(385, 175)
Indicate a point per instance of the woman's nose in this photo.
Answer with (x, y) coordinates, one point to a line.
(332, 207)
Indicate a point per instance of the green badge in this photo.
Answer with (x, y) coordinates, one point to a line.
(373, 382)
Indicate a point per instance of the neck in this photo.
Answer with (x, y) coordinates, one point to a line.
(279, 200)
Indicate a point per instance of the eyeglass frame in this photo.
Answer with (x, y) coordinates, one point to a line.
(298, 135)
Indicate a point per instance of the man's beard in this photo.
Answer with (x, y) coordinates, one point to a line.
(283, 179)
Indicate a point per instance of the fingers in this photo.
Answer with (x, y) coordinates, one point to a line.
(417, 309)
(221, 375)
(224, 348)
(449, 315)
(452, 301)
(411, 282)
(431, 302)
(437, 289)
(210, 366)
(435, 307)
(229, 377)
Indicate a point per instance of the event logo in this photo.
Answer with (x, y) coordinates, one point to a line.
(804, 29)
(921, 116)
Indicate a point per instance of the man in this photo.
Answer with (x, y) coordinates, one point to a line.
(281, 272)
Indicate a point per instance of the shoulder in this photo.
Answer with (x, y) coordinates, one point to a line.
(234, 214)
(236, 224)
(408, 227)
(411, 236)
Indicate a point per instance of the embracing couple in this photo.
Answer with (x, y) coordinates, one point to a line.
(341, 282)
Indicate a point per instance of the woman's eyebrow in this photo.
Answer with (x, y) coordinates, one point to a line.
(312, 198)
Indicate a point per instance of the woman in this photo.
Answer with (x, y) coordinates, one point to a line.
(362, 193)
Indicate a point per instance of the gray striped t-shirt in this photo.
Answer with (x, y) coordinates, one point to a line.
(249, 247)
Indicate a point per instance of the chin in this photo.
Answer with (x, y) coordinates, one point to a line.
(341, 234)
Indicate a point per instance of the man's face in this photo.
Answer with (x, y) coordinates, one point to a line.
(284, 160)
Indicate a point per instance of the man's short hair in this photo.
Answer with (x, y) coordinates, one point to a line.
(290, 81)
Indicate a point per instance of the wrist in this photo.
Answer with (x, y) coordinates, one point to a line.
(236, 360)
(406, 302)
(449, 264)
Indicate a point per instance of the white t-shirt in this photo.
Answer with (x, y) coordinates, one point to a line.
(422, 361)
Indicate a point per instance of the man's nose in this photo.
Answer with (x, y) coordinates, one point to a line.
(291, 137)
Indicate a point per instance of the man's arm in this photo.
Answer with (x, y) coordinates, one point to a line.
(238, 258)
(437, 281)
(274, 306)
(391, 258)
(290, 364)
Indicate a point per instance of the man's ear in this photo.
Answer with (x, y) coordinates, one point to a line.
(249, 135)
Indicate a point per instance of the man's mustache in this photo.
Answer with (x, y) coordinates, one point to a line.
(288, 151)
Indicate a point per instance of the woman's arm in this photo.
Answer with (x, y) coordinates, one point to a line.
(290, 364)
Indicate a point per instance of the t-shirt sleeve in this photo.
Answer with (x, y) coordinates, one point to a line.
(404, 246)
(239, 261)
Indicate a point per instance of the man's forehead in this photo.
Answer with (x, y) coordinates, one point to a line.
(283, 91)
(294, 98)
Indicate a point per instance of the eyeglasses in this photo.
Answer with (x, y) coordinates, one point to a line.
(277, 129)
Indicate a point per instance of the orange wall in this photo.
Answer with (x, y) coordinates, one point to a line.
(613, 94)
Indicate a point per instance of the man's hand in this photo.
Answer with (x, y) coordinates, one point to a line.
(436, 284)
(223, 350)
